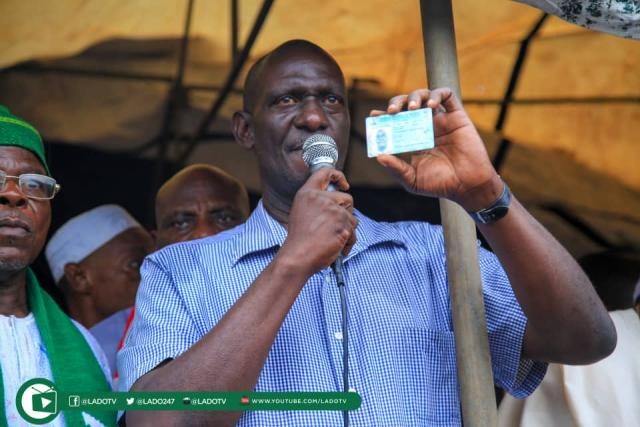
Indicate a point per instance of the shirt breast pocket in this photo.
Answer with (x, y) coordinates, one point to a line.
(431, 360)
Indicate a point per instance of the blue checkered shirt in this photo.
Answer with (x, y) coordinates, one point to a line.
(402, 351)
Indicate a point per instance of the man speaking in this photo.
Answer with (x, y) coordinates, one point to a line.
(257, 307)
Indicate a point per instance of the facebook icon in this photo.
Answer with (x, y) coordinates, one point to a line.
(74, 401)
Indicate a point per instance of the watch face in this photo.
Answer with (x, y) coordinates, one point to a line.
(495, 213)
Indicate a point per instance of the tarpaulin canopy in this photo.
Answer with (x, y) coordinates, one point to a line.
(564, 100)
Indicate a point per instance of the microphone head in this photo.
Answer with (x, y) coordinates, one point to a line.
(319, 151)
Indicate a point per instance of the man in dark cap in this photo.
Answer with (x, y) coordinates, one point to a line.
(200, 200)
(36, 338)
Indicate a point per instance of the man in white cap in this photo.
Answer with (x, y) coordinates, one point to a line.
(95, 259)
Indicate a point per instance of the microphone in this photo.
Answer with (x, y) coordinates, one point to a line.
(320, 151)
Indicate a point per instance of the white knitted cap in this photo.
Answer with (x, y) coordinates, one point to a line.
(83, 234)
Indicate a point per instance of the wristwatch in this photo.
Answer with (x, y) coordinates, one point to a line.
(497, 210)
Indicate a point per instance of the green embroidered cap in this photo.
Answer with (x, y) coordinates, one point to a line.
(16, 132)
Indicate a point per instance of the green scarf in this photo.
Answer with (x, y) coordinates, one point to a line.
(72, 362)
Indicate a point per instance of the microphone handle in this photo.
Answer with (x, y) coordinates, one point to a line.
(315, 168)
(337, 264)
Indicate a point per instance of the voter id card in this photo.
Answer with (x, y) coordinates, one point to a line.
(400, 132)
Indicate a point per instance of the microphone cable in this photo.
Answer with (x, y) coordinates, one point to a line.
(337, 269)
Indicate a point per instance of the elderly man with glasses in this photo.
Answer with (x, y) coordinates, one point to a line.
(37, 340)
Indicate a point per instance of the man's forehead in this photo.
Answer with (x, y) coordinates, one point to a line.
(208, 196)
(199, 186)
(295, 61)
(198, 194)
(20, 159)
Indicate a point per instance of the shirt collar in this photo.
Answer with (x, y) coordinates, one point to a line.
(262, 232)
(371, 233)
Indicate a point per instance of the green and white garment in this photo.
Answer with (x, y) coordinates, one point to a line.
(47, 344)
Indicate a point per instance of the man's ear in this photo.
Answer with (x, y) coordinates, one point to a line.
(154, 237)
(77, 278)
(242, 125)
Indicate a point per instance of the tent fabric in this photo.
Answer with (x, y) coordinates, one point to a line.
(75, 68)
(565, 63)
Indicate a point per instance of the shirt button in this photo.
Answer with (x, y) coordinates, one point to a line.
(352, 390)
(327, 280)
(337, 335)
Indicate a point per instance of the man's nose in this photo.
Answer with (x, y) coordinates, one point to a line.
(312, 116)
(12, 196)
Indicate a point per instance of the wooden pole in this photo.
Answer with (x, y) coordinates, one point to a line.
(475, 376)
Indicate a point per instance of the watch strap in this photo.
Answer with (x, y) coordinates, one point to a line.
(497, 210)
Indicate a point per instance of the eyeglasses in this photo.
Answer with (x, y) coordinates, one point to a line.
(32, 185)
